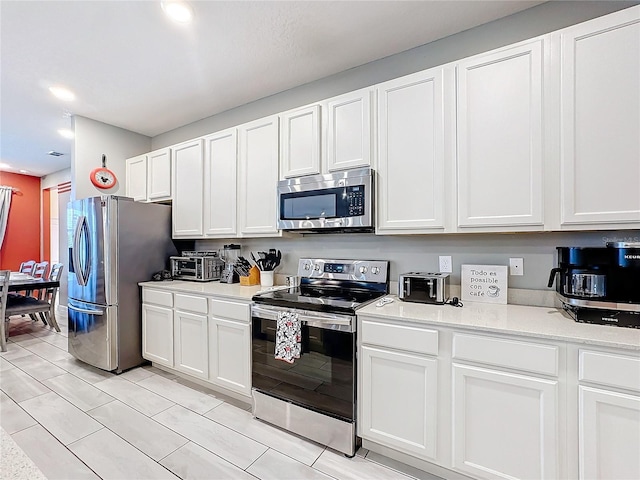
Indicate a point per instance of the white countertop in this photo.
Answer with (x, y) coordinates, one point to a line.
(541, 322)
(229, 290)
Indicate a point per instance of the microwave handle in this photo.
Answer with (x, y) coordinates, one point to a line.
(338, 221)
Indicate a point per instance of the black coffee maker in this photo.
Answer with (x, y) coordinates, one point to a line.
(600, 284)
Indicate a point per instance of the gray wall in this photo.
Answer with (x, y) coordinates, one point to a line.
(538, 20)
(409, 253)
(420, 252)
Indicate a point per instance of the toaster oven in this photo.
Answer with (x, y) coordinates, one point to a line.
(197, 268)
(422, 287)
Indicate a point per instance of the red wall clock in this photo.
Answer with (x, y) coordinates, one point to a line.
(102, 177)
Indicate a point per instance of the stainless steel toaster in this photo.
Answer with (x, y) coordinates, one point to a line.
(424, 287)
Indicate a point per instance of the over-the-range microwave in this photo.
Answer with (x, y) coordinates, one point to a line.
(336, 202)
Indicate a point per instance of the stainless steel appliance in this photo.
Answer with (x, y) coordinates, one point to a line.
(600, 284)
(197, 266)
(230, 255)
(337, 202)
(315, 396)
(422, 287)
(114, 244)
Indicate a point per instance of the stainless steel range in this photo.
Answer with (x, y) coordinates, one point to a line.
(309, 386)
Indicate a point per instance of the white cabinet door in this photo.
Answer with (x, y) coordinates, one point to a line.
(300, 142)
(399, 392)
(349, 130)
(159, 175)
(191, 343)
(504, 424)
(499, 135)
(411, 156)
(157, 334)
(136, 178)
(230, 354)
(220, 182)
(609, 435)
(600, 104)
(187, 182)
(258, 177)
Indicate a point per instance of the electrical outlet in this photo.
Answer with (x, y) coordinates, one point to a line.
(445, 264)
(516, 266)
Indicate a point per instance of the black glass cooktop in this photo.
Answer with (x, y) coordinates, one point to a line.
(327, 298)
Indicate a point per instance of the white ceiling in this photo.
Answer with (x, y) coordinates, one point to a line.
(132, 67)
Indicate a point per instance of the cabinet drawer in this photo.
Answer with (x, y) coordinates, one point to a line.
(607, 369)
(191, 303)
(402, 337)
(229, 309)
(157, 297)
(529, 357)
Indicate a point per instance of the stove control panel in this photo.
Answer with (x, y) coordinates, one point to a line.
(358, 270)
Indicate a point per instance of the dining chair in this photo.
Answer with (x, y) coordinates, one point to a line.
(27, 267)
(39, 271)
(50, 294)
(4, 290)
(27, 305)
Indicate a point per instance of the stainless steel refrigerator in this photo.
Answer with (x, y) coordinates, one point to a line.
(114, 243)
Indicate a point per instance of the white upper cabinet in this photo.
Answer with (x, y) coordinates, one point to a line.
(349, 130)
(136, 178)
(258, 177)
(300, 142)
(220, 183)
(159, 175)
(600, 122)
(187, 184)
(411, 153)
(500, 138)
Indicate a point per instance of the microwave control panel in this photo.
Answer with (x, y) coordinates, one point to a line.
(355, 196)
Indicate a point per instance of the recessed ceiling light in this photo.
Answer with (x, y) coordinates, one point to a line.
(178, 11)
(63, 93)
(24, 171)
(66, 133)
(5, 165)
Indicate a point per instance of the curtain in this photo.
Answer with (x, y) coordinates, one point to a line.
(5, 203)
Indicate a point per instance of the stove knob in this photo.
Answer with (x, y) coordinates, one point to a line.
(363, 269)
(307, 266)
(375, 270)
(316, 267)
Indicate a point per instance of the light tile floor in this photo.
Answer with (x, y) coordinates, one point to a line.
(75, 422)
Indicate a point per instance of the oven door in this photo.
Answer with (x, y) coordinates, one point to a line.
(323, 379)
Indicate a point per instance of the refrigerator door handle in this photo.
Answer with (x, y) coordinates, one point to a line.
(75, 257)
(87, 270)
(82, 271)
(83, 310)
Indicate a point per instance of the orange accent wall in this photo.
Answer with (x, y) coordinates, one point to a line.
(22, 238)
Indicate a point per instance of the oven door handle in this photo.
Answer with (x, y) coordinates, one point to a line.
(326, 321)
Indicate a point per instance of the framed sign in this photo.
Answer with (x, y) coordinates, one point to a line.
(484, 283)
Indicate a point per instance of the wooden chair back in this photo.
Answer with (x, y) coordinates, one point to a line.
(27, 267)
(40, 270)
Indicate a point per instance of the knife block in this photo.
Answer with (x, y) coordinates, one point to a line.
(252, 279)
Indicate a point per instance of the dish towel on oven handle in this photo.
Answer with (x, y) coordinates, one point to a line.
(288, 336)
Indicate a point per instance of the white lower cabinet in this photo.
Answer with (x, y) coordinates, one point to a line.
(609, 416)
(504, 424)
(205, 337)
(191, 343)
(229, 355)
(399, 400)
(230, 345)
(157, 334)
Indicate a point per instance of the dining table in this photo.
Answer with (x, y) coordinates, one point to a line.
(19, 282)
